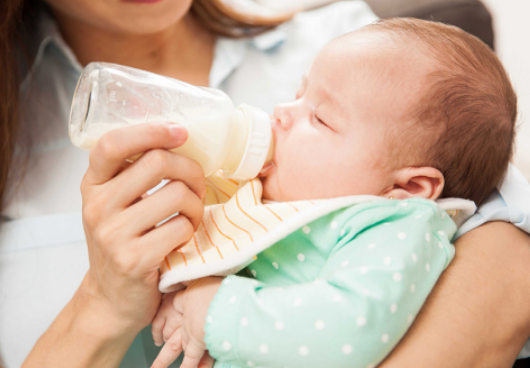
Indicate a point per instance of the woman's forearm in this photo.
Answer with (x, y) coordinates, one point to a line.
(83, 335)
(478, 314)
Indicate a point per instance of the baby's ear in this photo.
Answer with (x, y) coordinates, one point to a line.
(423, 182)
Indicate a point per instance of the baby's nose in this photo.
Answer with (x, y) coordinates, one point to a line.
(283, 116)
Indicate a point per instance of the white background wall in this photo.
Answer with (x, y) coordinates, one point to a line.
(512, 29)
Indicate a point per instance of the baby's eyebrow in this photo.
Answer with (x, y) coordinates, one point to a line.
(331, 100)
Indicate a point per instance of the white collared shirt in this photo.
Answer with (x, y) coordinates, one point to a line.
(43, 254)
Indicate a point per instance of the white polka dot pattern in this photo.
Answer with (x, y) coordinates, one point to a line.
(405, 258)
(303, 350)
(263, 348)
(361, 321)
(347, 349)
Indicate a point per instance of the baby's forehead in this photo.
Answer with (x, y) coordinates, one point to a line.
(365, 60)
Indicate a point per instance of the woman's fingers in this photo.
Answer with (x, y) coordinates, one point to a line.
(114, 147)
(149, 170)
(172, 198)
(160, 241)
(169, 352)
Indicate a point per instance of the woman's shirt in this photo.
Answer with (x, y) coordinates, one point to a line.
(43, 255)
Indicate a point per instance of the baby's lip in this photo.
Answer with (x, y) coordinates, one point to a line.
(266, 168)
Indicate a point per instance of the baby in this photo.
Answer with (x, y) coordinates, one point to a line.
(397, 115)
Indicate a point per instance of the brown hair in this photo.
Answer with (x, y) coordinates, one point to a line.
(10, 17)
(18, 16)
(468, 111)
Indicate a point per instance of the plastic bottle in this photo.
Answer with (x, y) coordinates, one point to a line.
(220, 136)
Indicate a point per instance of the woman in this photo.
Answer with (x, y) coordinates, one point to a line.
(43, 251)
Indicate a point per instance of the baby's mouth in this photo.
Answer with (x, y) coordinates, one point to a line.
(266, 169)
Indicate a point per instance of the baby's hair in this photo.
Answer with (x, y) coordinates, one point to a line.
(467, 112)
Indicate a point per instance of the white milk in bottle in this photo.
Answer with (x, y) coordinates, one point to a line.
(220, 136)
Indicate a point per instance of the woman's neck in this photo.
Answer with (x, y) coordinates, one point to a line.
(184, 51)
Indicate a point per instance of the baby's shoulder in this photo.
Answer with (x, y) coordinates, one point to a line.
(389, 219)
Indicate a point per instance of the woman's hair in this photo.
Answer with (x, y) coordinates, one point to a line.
(223, 20)
(18, 17)
(10, 18)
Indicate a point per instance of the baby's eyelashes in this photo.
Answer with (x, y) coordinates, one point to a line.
(320, 121)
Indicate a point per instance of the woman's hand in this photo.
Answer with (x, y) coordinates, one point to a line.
(125, 248)
(119, 294)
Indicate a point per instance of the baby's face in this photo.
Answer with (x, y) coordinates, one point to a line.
(333, 140)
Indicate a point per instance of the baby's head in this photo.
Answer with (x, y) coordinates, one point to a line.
(402, 108)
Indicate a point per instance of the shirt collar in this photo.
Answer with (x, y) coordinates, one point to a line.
(230, 52)
(270, 40)
(48, 34)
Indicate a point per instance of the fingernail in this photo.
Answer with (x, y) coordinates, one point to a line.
(158, 344)
(178, 132)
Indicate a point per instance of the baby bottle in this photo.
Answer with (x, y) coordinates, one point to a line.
(220, 136)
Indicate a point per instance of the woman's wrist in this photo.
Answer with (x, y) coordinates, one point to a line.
(87, 332)
(100, 315)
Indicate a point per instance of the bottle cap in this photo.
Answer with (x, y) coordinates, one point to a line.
(258, 143)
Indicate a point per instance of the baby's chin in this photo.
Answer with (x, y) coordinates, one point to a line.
(268, 192)
(271, 188)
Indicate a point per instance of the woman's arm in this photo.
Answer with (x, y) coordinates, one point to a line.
(119, 295)
(84, 334)
(478, 314)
